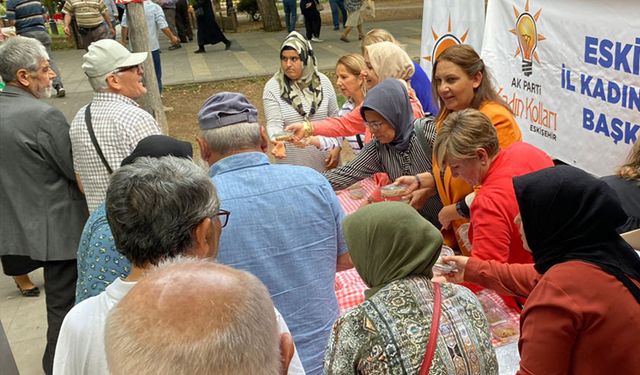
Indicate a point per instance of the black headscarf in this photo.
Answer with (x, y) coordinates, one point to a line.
(391, 100)
(568, 214)
(157, 146)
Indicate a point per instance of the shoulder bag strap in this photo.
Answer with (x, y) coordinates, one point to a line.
(87, 120)
(433, 334)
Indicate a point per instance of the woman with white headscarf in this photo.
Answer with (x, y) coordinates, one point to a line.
(298, 92)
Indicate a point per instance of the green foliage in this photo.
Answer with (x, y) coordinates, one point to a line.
(250, 7)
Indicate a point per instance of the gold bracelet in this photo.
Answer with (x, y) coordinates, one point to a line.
(308, 128)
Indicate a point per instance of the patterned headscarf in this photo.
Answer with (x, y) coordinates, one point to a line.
(390, 61)
(389, 241)
(309, 83)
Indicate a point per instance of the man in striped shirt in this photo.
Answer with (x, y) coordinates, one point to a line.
(92, 18)
(28, 18)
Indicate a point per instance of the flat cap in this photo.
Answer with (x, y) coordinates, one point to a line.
(226, 108)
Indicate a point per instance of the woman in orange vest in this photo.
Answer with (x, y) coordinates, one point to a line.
(461, 80)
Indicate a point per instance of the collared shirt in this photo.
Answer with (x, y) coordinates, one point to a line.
(154, 16)
(88, 13)
(119, 124)
(80, 348)
(285, 228)
(28, 15)
(99, 262)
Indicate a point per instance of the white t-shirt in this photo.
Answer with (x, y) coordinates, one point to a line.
(80, 347)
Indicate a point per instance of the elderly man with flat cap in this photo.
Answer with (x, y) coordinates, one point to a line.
(287, 222)
(108, 129)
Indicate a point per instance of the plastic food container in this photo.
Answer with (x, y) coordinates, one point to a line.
(392, 191)
(505, 331)
(283, 136)
(357, 193)
(441, 267)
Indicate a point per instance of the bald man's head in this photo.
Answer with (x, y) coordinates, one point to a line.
(194, 317)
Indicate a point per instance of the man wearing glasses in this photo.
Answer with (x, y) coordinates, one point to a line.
(286, 225)
(115, 119)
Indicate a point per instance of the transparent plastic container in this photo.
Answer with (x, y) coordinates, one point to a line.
(393, 192)
(503, 328)
(441, 267)
(283, 136)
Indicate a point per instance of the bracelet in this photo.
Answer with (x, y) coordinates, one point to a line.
(308, 128)
(418, 182)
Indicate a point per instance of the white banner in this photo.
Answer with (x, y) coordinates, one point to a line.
(449, 22)
(570, 70)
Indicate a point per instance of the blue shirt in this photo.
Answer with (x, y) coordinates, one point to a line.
(285, 228)
(99, 263)
(28, 15)
(422, 86)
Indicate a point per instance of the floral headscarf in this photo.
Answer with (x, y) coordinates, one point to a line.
(309, 84)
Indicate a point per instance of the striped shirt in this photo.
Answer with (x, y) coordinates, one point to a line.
(28, 15)
(88, 13)
(279, 114)
(376, 157)
(119, 124)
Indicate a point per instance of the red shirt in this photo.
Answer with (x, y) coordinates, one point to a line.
(577, 319)
(492, 232)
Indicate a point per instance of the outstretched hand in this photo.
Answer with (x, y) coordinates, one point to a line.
(297, 129)
(460, 263)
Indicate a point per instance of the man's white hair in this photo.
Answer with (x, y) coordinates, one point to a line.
(233, 137)
(194, 317)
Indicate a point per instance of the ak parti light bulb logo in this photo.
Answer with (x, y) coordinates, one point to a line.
(445, 41)
(528, 37)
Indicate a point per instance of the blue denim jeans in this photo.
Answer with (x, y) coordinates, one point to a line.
(290, 13)
(335, 6)
(155, 55)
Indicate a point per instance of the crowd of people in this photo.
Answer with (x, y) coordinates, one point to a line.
(159, 261)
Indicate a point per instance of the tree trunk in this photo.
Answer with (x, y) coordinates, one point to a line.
(139, 37)
(270, 16)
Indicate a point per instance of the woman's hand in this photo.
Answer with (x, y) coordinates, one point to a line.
(333, 158)
(460, 263)
(426, 181)
(418, 198)
(448, 214)
(297, 129)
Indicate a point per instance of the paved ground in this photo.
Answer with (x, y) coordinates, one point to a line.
(252, 54)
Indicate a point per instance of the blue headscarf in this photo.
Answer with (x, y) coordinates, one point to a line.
(390, 99)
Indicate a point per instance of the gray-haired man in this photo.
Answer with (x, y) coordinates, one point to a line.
(287, 222)
(117, 120)
(42, 210)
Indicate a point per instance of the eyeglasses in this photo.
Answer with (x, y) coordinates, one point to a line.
(373, 125)
(224, 217)
(126, 68)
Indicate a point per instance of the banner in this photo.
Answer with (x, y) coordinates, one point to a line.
(570, 70)
(449, 22)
